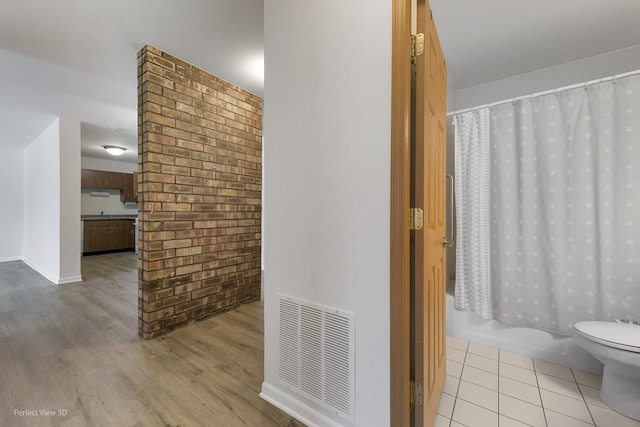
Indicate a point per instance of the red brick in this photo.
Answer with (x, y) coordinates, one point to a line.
(175, 170)
(178, 262)
(189, 198)
(187, 306)
(188, 216)
(177, 243)
(158, 177)
(176, 96)
(174, 188)
(192, 181)
(193, 146)
(189, 287)
(160, 235)
(175, 114)
(159, 100)
(188, 234)
(155, 315)
(160, 216)
(154, 78)
(160, 254)
(194, 250)
(157, 295)
(176, 207)
(157, 59)
(200, 202)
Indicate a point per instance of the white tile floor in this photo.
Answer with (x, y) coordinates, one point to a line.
(487, 387)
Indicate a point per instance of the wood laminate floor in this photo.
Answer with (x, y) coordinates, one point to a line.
(74, 350)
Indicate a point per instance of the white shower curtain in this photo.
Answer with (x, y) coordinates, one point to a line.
(473, 289)
(564, 207)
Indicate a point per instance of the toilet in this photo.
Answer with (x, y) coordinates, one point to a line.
(617, 346)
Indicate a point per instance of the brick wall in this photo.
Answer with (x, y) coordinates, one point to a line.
(199, 206)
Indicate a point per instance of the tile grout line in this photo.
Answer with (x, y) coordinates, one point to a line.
(525, 383)
(455, 400)
(581, 394)
(499, 414)
(509, 378)
(522, 400)
(569, 416)
(498, 393)
(498, 386)
(513, 397)
(517, 366)
(535, 372)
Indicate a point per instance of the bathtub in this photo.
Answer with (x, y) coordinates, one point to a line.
(530, 342)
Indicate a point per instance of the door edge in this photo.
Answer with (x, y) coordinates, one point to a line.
(399, 227)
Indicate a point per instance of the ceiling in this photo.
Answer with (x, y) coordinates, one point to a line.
(489, 40)
(77, 58)
(95, 138)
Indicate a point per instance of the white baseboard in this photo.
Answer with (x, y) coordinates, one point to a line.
(296, 408)
(44, 273)
(70, 279)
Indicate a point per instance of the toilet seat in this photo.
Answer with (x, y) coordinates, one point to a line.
(613, 334)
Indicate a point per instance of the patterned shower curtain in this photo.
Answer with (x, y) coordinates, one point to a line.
(563, 207)
(473, 288)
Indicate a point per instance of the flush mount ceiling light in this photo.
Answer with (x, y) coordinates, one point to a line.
(113, 150)
(254, 67)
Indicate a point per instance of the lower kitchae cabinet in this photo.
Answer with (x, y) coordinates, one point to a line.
(108, 235)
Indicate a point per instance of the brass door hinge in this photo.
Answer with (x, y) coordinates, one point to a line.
(416, 219)
(417, 45)
(415, 393)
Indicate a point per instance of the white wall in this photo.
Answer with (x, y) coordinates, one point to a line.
(42, 203)
(108, 165)
(11, 187)
(70, 247)
(596, 67)
(327, 176)
(51, 234)
(110, 203)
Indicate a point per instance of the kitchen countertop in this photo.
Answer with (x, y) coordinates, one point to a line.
(105, 217)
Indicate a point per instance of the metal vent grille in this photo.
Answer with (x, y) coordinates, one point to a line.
(337, 361)
(288, 343)
(317, 354)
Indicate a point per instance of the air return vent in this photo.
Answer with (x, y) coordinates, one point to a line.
(316, 354)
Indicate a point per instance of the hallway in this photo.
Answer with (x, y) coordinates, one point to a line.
(74, 350)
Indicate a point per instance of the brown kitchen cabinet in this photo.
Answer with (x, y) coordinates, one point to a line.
(108, 235)
(131, 236)
(129, 187)
(101, 179)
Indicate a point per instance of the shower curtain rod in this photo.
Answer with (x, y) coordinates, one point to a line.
(546, 92)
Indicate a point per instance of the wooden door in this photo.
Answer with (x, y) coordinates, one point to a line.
(399, 292)
(428, 192)
(417, 286)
